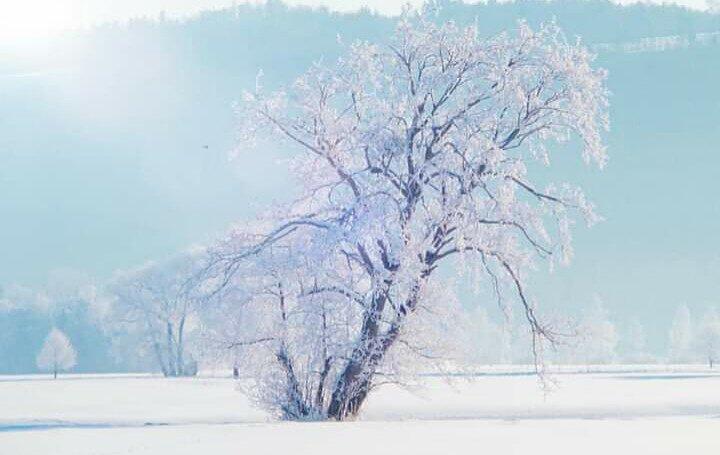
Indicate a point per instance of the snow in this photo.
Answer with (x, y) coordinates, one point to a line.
(670, 436)
(122, 401)
(621, 410)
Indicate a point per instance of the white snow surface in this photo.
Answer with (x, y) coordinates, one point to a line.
(634, 410)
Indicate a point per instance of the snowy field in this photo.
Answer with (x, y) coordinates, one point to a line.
(500, 411)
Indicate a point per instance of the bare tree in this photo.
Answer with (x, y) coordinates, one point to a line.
(411, 155)
(156, 302)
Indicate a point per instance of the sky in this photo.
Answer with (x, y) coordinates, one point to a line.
(21, 18)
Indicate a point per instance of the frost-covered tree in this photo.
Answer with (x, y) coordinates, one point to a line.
(57, 353)
(411, 155)
(226, 321)
(488, 341)
(635, 345)
(708, 336)
(507, 343)
(681, 337)
(155, 303)
(598, 337)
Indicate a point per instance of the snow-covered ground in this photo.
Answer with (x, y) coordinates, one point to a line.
(501, 410)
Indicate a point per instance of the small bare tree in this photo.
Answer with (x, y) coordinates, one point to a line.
(57, 353)
(412, 155)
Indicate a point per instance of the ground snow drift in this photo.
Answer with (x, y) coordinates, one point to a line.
(619, 411)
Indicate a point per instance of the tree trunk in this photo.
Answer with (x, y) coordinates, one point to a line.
(172, 368)
(354, 385)
(179, 348)
(159, 357)
(350, 393)
(350, 390)
(295, 407)
(355, 382)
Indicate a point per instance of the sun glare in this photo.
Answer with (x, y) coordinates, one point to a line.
(24, 19)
